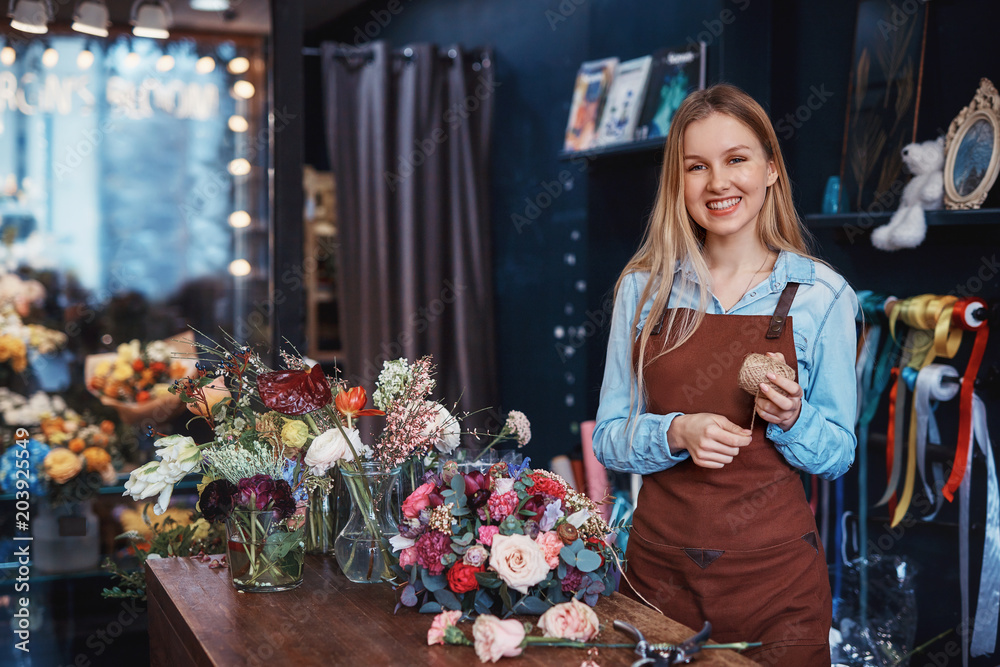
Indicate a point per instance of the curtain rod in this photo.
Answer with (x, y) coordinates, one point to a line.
(406, 54)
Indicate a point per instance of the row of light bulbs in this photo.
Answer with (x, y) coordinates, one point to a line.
(149, 18)
(165, 63)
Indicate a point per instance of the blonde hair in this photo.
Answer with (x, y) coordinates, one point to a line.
(672, 234)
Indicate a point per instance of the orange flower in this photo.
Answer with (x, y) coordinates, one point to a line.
(77, 445)
(142, 396)
(138, 366)
(158, 367)
(351, 402)
(177, 370)
(147, 377)
(99, 440)
(97, 459)
(107, 426)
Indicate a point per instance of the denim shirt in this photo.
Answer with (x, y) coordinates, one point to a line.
(821, 441)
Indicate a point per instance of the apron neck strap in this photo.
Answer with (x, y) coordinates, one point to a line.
(780, 315)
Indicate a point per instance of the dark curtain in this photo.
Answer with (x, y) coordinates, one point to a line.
(408, 136)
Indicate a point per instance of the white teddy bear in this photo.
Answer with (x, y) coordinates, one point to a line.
(924, 192)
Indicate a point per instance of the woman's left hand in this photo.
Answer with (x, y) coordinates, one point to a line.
(775, 408)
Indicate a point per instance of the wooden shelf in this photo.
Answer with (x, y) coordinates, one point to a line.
(983, 216)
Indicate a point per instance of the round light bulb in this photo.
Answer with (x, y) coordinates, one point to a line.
(132, 59)
(85, 59)
(240, 267)
(205, 65)
(239, 167)
(239, 219)
(50, 57)
(165, 63)
(238, 65)
(8, 55)
(243, 89)
(238, 124)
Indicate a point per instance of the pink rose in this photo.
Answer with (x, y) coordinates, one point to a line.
(570, 620)
(441, 623)
(497, 639)
(519, 561)
(551, 544)
(407, 556)
(486, 534)
(418, 500)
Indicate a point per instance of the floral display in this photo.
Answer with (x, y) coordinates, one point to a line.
(137, 373)
(18, 339)
(514, 540)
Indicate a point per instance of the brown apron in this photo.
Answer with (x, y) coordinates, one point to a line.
(735, 546)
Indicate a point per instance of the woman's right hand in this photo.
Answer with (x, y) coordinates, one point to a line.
(711, 440)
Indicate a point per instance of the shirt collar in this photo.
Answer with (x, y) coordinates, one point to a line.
(789, 267)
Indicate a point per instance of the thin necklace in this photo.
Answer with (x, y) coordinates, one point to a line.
(766, 257)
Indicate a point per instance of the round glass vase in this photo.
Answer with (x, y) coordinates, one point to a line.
(264, 550)
(362, 547)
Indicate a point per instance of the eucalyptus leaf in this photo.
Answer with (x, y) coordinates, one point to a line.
(587, 560)
(484, 603)
(447, 599)
(458, 484)
(505, 596)
(430, 608)
(408, 596)
(531, 605)
(488, 579)
(433, 582)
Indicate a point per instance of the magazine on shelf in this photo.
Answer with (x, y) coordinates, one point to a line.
(624, 101)
(588, 97)
(675, 72)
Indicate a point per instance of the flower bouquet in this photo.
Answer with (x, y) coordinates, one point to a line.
(136, 379)
(514, 540)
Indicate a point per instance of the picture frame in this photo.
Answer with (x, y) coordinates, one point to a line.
(972, 150)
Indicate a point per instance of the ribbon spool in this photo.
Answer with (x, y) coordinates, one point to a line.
(754, 371)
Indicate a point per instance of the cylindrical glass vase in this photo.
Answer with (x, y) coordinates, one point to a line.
(321, 526)
(265, 551)
(362, 547)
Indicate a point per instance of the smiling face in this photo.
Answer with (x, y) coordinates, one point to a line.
(726, 176)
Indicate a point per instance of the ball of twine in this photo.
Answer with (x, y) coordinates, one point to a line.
(755, 369)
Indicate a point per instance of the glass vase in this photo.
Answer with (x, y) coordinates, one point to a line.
(362, 547)
(265, 551)
(321, 527)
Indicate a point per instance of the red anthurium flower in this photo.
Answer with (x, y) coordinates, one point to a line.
(351, 403)
(294, 392)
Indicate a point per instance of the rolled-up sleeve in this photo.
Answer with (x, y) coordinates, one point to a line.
(822, 439)
(637, 444)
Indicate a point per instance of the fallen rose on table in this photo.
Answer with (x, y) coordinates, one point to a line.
(566, 625)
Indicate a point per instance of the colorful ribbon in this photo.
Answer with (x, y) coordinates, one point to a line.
(963, 318)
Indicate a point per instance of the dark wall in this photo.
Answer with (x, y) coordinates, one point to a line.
(553, 267)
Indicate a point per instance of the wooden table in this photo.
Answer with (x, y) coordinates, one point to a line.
(196, 617)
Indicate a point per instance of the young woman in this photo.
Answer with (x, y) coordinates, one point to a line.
(722, 530)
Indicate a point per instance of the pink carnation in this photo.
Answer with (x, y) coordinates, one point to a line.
(441, 623)
(408, 556)
(551, 544)
(502, 505)
(486, 534)
(430, 547)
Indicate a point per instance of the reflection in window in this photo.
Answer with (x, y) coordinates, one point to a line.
(132, 188)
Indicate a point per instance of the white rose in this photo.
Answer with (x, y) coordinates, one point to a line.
(443, 430)
(519, 561)
(329, 447)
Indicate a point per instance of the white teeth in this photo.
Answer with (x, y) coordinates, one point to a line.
(726, 203)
